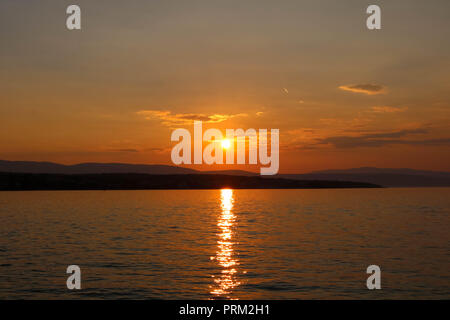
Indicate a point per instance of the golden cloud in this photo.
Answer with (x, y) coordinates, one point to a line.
(387, 109)
(173, 119)
(370, 89)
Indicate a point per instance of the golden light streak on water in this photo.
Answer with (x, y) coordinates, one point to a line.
(225, 256)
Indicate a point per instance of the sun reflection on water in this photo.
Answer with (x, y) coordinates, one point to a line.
(225, 257)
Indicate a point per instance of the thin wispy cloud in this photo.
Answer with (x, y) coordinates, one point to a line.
(387, 109)
(359, 122)
(125, 150)
(122, 146)
(159, 150)
(369, 89)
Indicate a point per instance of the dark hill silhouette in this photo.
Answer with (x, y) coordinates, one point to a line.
(231, 172)
(134, 181)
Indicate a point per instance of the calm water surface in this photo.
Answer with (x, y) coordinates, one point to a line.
(226, 244)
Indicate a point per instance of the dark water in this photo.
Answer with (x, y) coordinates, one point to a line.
(238, 244)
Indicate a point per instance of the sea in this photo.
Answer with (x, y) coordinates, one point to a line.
(226, 244)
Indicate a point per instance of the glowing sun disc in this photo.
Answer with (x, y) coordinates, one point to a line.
(226, 143)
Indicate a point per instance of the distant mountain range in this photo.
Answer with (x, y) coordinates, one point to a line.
(89, 168)
(372, 170)
(388, 177)
(93, 168)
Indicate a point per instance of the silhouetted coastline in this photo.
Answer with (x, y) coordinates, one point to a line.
(132, 181)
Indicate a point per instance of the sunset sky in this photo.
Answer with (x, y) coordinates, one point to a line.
(342, 96)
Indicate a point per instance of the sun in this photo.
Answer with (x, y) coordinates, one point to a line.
(226, 143)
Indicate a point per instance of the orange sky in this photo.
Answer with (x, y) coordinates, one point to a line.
(341, 95)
